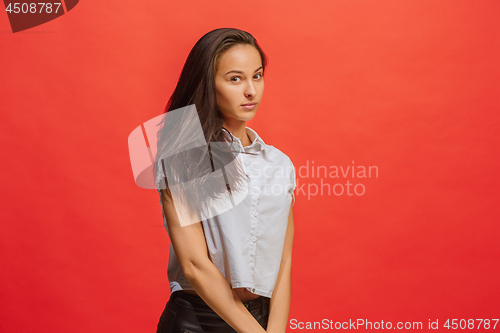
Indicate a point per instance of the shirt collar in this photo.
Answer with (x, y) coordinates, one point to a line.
(257, 143)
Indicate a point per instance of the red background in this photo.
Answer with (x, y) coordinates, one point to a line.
(411, 87)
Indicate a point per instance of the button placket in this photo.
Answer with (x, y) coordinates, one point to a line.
(254, 217)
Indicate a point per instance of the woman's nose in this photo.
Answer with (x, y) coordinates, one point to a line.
(250, 90)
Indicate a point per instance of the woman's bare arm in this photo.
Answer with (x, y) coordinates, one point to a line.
(280, 299)
(188, 241)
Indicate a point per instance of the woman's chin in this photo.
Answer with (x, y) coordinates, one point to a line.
(242, 116)
(249, 115)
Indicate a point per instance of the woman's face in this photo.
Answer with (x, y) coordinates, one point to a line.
(239, 80)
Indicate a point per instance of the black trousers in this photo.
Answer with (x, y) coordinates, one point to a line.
(186, 313)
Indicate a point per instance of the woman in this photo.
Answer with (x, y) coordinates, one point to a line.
(229, 270)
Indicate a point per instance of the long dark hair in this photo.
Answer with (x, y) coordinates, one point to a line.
(193, 165)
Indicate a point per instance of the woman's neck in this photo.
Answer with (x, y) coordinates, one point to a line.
(238, 130)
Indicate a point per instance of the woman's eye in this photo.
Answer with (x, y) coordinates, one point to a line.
(258, 75)
(236, 77)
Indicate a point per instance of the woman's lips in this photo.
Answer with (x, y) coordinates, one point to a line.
(249, 106)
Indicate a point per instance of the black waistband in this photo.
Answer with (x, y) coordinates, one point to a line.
(198, 302)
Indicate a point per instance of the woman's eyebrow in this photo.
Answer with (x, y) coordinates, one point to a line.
(240, 72)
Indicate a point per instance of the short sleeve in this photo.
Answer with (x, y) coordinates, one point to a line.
(293, 181)
(160, 177)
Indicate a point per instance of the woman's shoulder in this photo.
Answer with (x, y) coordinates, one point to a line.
(276, 155)
(279, 156)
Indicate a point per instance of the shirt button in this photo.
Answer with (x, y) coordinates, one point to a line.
(254, 213)
(258, 200)
(253, 238)
(255, 189)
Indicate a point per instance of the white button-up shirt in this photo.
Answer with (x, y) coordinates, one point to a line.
(246, 242)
